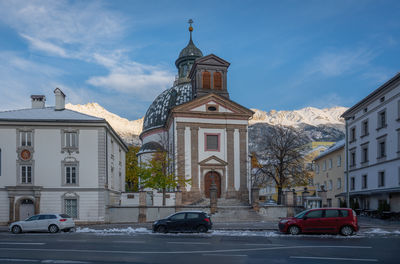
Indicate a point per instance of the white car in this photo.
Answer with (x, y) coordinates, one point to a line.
(44, 222)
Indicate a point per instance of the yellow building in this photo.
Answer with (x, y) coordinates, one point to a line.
(329, 174)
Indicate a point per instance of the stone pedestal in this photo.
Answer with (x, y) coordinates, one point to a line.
(142, 207)
(255, 196)
(178, 198)
(213, 198)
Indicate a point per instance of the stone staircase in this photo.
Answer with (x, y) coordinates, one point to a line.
(231, 210)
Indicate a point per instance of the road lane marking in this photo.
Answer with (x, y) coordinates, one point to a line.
(326, 258)
(224, 255)
(129, 241)
(19, 260)
(179, 252)
(71, 240)
(190, 243)
(21, 243)
(249, 244)
(59, 261)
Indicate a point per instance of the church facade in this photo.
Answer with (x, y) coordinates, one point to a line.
(204, 132)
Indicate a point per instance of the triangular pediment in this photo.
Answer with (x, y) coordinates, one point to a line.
(213, 160)
(212, 59)
(222, 104)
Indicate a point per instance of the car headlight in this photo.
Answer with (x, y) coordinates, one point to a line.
(284, 221)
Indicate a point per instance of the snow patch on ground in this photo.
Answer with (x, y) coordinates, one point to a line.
(379, 231)
(128, 230)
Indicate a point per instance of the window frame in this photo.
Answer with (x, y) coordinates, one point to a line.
(70, 196)
(381, 179)
(70, 148)
(64, 166)
(21, 177)
(218, 149)
(352, 183)
(364, 181)
(382, 124)
(365, 128)
(339, 161)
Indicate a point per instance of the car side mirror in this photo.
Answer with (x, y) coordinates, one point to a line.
(305, 218)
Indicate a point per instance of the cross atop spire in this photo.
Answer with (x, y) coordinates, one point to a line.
(190, 28)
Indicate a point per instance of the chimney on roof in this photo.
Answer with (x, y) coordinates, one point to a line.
(60, 99)
(38, 101)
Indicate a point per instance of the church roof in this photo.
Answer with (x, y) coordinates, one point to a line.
(157, 114)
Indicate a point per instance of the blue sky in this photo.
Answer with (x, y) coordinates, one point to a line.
(284, 55)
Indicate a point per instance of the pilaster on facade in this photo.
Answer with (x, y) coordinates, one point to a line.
(231, 192)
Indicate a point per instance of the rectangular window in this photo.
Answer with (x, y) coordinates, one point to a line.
(71, 139)
(339, 160)
(364, 128)
(25, 138)
(26, 174)
(382, 119)
(70, 174)
(330, 164)
(71, 207)
(212, 142)
(324, 166)
(353, 158)
(381, 179)
(330, 185)
(365, 154)
(352, 183)
(398, 109)
(352, 134)
(317, 169)
(339, 183)
(364, 182)
(381, 149)
(398, 141)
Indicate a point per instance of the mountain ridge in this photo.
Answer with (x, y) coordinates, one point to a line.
(315, 122)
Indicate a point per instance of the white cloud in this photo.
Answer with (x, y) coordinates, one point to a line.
(45, 46)
(342, 62)
(131, 77)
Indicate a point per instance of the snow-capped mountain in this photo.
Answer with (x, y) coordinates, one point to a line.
(128, 130)
(309, 115)
(318, 124)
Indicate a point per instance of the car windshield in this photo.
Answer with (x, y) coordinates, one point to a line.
(300, 215)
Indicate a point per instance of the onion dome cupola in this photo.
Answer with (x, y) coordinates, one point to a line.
(187, 57)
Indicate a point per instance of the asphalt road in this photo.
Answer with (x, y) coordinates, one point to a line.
(116, 248)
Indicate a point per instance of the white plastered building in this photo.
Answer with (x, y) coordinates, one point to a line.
(55, 160)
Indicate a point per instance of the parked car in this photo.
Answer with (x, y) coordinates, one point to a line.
(193, 221)
(52, 223)
(321, 220)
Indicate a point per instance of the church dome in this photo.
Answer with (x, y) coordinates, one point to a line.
(190, 51)
(180, 93)
(157, 114)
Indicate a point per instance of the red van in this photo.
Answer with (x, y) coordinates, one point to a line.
(321, 220)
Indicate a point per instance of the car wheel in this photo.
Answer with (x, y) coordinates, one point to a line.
(294, 230)
(53, 229)
(161, 229)
(346, 231)
(202, 229)
(16, 229)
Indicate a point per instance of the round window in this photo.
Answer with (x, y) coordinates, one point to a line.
(212, 108)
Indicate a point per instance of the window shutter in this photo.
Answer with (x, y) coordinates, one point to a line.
(217, 81)
(206, 80)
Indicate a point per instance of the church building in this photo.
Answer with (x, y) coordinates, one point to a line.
(204, 132)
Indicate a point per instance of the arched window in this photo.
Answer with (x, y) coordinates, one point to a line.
(206, 80)
(217, 81)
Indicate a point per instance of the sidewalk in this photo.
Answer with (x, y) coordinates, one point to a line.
(364, 222)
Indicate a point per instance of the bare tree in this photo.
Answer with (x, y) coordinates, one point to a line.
(282, 161)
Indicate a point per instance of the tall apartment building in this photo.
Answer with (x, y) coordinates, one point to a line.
(373, 129)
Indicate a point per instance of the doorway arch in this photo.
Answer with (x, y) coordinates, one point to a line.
(26, 208)
(208, 179)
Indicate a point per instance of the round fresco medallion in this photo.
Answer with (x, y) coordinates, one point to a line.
(25, 154)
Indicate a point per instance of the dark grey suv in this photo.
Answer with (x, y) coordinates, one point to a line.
(192, 221)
